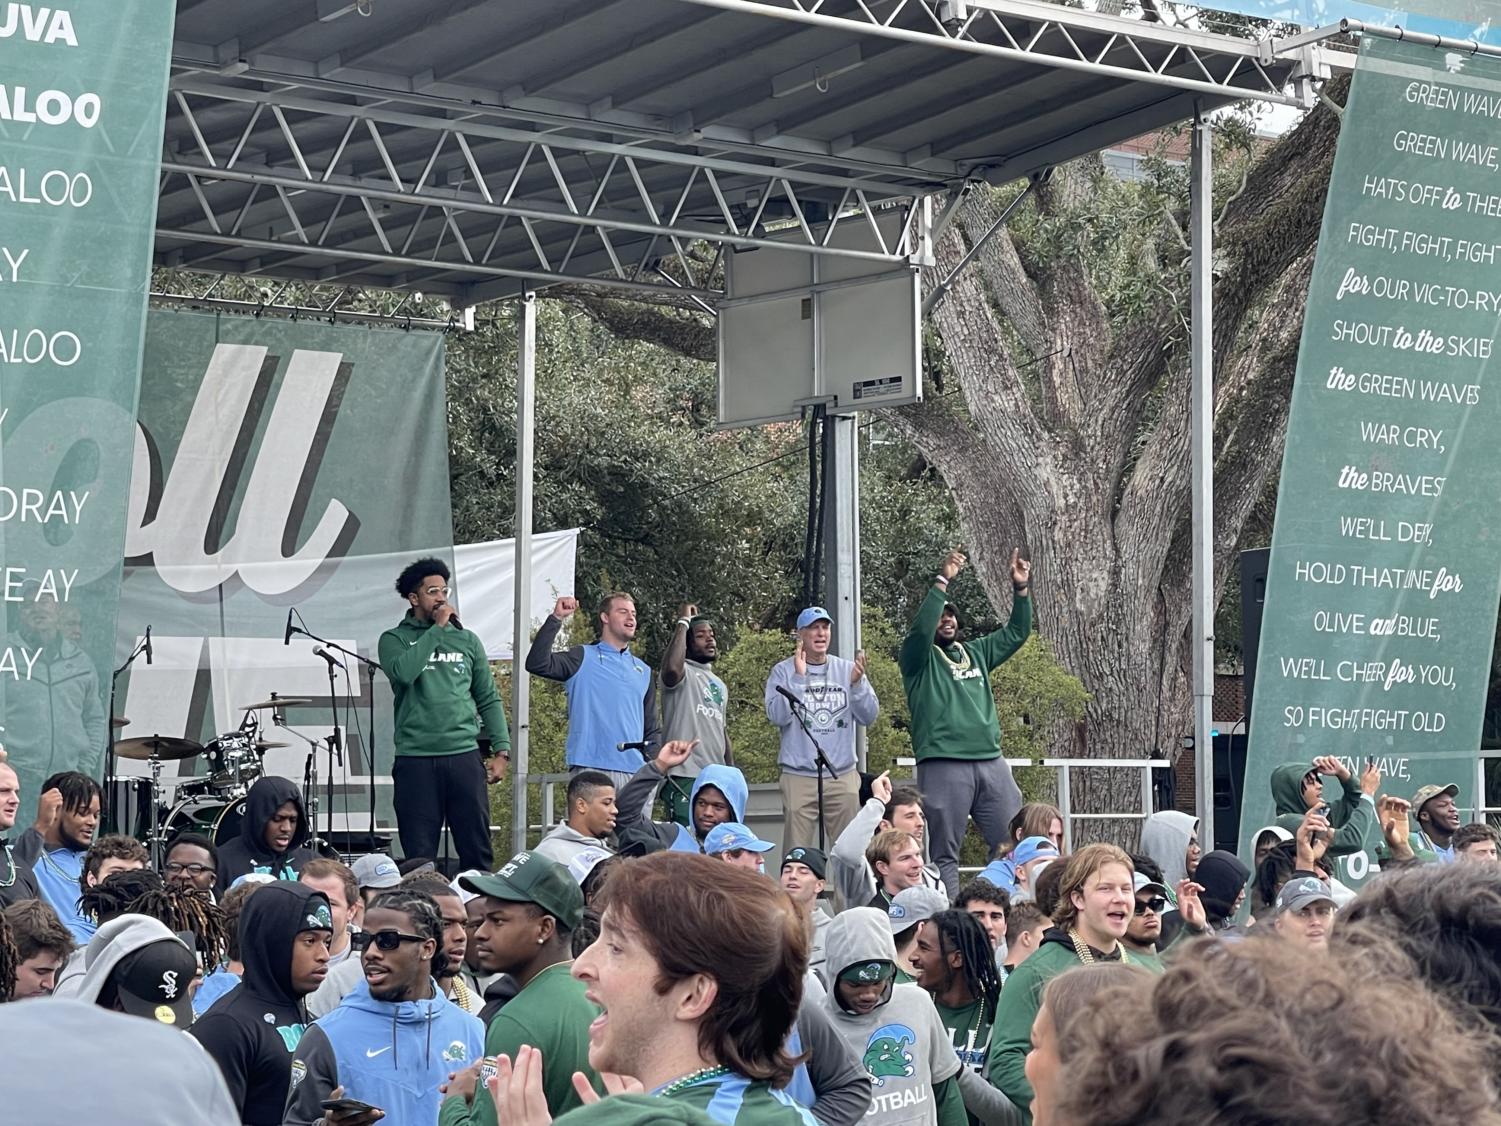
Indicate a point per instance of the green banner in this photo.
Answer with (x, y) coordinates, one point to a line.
(1380, 607)
(82, 98)
(281, 466)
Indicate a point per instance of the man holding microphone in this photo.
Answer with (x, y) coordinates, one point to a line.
(444, 692)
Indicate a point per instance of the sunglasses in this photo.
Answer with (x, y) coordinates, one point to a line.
(1154, 905)
(382, 940)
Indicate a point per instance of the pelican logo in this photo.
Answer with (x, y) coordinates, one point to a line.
(169, 984)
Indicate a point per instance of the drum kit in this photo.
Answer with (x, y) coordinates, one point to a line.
(213, 803)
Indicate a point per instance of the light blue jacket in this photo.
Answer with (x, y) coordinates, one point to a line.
(390, 1054)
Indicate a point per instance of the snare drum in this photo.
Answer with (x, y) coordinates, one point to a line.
(216, 818)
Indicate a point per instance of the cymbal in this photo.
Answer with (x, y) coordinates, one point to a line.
(157, 746)
(268, 744)
(118, 721)
(278, 702)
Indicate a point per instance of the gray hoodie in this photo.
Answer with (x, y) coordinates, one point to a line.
(1165, 838)
(140, 1074)
(122, 935)
(565, 842)
(902, 1043)
(854, 882)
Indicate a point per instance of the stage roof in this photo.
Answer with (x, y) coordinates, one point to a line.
(476, 148)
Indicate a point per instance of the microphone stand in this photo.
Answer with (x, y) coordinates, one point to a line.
(374, 667)
(109, 748)
(800, 712)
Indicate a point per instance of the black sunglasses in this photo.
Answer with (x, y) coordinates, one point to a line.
(1154, 905)
(383, 940)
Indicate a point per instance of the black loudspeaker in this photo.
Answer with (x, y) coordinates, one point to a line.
(1229, 782)
(1253, 568)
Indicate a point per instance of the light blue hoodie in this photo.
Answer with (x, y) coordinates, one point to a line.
(390, 1054)
(728, 781)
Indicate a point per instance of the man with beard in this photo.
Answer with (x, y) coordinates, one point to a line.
(1143, 937)
(54, 847)
(693, 703)
(1095, 900)
(611, 696)
(395, 1037)
(17, 881)
(273, 835)
(1438, 820)
(956, 735)
(531, 906)
(253, 1030)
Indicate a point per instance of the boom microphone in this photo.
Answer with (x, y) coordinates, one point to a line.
(632, 746)
(789, 695)
(287, 637)
(148, 645)
(319, 651)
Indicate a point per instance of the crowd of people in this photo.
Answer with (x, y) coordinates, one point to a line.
(629, 969)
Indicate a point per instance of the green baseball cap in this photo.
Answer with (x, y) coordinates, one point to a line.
(530, 877)
(868, 973)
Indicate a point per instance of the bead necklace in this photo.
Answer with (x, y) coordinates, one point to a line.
(693, 1078)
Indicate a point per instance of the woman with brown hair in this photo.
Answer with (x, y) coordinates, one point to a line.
(1268, 1033)
(1096, 897)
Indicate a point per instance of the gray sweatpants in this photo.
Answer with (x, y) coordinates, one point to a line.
(954, 790)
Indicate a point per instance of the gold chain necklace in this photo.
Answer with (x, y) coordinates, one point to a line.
(957, 666)
(1086, 956)
(461, 994)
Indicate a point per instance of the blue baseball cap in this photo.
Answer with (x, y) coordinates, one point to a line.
(732, 835)
(1033, 848)
(813, 614)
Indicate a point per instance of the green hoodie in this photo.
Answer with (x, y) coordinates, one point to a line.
(443, 689)
(1352, 816)
(948, 690)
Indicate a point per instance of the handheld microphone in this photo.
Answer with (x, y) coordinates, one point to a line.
(148, 645)
(327, 656)
(287, 637)
(453, 620)
(641, 746)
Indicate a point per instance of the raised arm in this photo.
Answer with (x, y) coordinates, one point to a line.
(677, 647)
(541, 660)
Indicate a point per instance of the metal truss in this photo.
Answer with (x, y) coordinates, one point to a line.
(1057, 36)
(313, 303)
(303, 177)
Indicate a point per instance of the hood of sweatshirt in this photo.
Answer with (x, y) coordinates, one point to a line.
(728, 781)
(1165, 839)
(859, 934)
(1287, 788)
(1277, 831)
(1223, 876)
(269, 921)
(267, 796)
(111, 943)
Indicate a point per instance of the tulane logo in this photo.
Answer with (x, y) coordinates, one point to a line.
(456, 1052)
(886, 1053)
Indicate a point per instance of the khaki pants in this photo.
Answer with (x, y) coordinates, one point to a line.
(841, 801)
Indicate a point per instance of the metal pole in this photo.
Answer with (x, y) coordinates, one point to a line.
(1201, 222)
(841, 532)
(526, 412)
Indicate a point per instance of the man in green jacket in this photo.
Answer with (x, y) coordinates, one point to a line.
(1297, 788)
(1096, 897)
(955, 733)
(443, 691)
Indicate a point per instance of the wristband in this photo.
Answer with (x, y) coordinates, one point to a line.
(1022, 588)
(684, 622)
(940, 580)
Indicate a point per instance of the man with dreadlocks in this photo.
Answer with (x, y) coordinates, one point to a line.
(395, 1037)
(189, 914)
(955, 963)
(66, 817)
(102, 903)
(693, 704)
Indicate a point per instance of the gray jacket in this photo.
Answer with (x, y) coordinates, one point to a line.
(565, 842)
(854, 882)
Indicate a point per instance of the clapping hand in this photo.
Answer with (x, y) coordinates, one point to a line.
(1190, 906)
(858, 669)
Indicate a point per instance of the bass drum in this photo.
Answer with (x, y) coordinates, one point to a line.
(215, 818)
